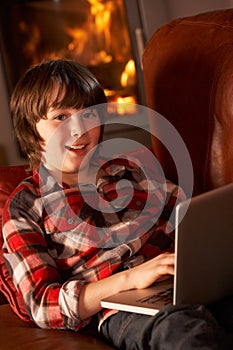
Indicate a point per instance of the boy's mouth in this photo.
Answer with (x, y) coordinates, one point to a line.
(75, 147)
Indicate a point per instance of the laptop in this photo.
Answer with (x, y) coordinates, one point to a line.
(203, 263)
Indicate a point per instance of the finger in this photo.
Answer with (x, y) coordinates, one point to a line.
(166, 258)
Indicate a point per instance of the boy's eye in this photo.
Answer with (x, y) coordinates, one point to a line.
(61, 117)
(90, 114)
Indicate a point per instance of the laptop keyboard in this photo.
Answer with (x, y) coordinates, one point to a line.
(165, 297)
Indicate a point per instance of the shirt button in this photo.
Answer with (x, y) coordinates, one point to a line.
(138, 203)
(70, 221)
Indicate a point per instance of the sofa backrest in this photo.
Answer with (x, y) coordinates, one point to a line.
(10, 177)
(188, 74)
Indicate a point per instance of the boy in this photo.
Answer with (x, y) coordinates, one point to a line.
(57, 253)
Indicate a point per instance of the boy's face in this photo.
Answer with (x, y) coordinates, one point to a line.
(68, 135)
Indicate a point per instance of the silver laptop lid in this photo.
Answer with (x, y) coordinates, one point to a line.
(204, 248)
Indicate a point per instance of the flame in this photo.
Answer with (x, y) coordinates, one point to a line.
(122, 106)
(102, 18)
(93, 41)
(125, 105)
(80, 40)
(128, 76)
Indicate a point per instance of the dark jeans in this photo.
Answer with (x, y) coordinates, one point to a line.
(175, 327)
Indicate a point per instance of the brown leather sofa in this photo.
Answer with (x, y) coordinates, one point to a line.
(188, 70)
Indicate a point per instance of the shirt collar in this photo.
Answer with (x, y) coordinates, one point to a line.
(46, 183)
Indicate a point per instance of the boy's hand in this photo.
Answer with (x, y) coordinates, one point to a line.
(139, 277)
(156, 269)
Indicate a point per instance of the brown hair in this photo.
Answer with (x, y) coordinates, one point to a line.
(31, 99)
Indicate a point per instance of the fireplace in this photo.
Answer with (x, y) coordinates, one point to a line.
(95, 33)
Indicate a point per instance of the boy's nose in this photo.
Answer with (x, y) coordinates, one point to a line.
(77, 126)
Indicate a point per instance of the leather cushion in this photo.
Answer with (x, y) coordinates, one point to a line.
(9, 179)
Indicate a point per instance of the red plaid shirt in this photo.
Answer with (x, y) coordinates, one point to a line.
(56, 241)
